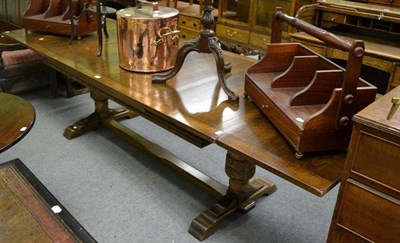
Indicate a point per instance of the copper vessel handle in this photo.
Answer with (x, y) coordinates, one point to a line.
(162, 37)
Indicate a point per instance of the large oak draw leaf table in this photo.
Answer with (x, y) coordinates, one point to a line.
(193, 106)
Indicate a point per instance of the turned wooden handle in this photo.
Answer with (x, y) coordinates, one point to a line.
(310, 29)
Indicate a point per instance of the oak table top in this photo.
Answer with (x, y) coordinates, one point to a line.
(193, 106)
(17, 117)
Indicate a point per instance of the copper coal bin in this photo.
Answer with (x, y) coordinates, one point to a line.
(147, 38)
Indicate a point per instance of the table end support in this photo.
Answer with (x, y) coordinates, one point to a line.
(95, 120)
(240, 197)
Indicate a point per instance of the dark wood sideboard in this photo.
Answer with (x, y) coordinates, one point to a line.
(368, 205)
(375, 22)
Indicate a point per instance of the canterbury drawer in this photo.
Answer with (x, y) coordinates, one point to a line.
(269, 109)
(188, 34)
(368, 213)
(334, 18)
(377, 159)
(317, 48)
(234, 34)
(188, 22)
(259, 40)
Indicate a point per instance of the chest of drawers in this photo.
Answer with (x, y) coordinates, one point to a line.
(368, 205)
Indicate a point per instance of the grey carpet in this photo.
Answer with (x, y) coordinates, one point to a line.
(119, 194)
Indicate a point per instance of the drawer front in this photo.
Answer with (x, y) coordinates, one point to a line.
(259, 40)
(377, 159)
(342, 235)
(268, 108)
(319, 49)
(388, 2)
(368, 60)
(188, 22)
(368, 213)
(188, 34)
(334, 18)
(234, 34)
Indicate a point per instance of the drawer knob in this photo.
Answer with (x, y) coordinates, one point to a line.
(395, 106)
(344, 121)
(264, 107)
(231, 34)
(349, 99)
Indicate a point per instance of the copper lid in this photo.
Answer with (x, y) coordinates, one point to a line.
(148, 12)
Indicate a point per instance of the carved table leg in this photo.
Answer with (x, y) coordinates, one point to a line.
(71, 14)
(240, 197)
(104, 24)
(180, 58)
(99, 28)
(221, 67)
(94, 120)
(197, 45)
(207, 43)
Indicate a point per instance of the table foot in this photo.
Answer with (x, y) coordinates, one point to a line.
(78, 128)
(95, 120)
(207, 222)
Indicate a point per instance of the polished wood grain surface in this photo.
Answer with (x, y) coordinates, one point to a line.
(376, 114)
(191, 105)
(17, 117)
